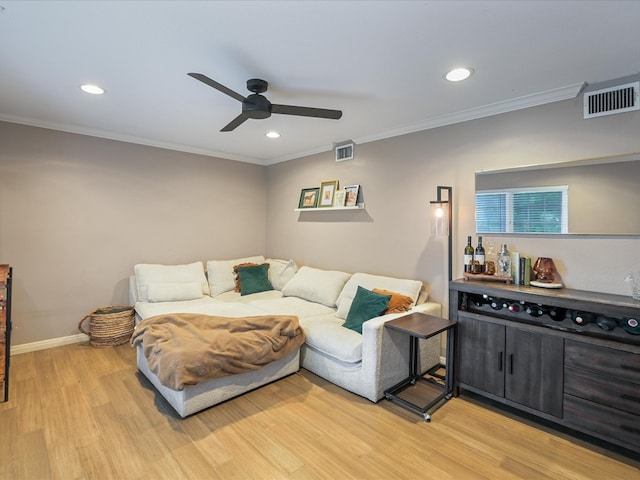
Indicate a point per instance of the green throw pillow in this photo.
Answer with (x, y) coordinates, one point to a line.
(365, 306)
(254, 279)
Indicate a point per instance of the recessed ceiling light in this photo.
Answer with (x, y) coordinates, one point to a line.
(273, 134)
(458, 74)
(92, 89)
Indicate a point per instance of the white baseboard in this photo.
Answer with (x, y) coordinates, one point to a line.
(44, 344)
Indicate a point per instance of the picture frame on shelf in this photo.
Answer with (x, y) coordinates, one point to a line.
(351, 195)
(339, 198)
(309, 197)
(327, 193)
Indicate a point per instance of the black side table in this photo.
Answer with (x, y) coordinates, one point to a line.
(417, 326)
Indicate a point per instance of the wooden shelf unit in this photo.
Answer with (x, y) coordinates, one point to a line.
(5, 329)
(359, 206)
(583, 376)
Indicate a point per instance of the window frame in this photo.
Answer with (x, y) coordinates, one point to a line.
(507, 209)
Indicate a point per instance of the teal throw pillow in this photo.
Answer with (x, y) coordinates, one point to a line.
(254, 279)
(365, 306)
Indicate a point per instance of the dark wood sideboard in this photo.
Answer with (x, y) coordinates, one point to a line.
(5, 329)
(569, 356)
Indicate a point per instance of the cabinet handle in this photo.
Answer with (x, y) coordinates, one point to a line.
(511, 364)
(625, 396)
(500, 361)
(629, 367)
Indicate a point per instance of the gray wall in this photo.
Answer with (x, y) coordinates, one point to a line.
(77, 212)
(399, 177)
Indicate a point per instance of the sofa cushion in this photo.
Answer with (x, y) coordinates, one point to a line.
(290, 306)
(146, 274)
(327, 335)
(399, 303)
(281, 271)
(254, 279)
(410, 288)
(174, 292)
(221, 276)
(315, 285)
(365, 306)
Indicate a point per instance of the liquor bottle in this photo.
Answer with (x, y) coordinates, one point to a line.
(504, 262)
(479, 254)
(468, 256)
(490, 259)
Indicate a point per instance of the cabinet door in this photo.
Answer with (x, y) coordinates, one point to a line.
(481, 347)
(534, 370)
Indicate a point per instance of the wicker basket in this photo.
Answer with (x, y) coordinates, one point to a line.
(109, 326)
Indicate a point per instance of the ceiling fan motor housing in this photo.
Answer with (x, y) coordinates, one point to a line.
(256, 106)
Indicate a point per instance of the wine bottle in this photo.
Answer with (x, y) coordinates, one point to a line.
(534, 310)
(606, 323)
(557, 314)
(497, 303)
(479, 254)
(478, 300)
(581, 318)
(515, 307)
(468, 256)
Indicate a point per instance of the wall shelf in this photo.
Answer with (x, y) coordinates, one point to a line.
(359, 206)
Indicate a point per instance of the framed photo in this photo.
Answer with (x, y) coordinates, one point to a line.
(309, 198)
(327, 192)
(351, 195)
(338, 199)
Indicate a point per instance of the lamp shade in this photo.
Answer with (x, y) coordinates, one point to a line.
(440, 218)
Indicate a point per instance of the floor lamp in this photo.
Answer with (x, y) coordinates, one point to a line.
(442, 211)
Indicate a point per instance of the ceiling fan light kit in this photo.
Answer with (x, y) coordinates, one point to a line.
(258, 107)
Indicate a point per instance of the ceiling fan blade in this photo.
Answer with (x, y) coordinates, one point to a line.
(306, 111)
(236, 122)
(216, 85)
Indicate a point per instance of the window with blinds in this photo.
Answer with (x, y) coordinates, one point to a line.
(523, 210)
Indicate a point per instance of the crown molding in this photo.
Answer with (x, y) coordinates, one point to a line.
(518, 103)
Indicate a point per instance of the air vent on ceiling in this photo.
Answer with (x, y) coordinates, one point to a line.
(616, 96)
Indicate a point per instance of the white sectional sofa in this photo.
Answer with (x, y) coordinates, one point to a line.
(364, 363)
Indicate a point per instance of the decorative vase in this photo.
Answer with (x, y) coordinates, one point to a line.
(544, 269)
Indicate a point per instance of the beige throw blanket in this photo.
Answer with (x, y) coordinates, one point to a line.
(188, 348)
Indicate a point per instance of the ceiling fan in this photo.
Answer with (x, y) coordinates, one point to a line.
(257, 106)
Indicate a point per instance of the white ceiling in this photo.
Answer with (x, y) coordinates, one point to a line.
(380, 62)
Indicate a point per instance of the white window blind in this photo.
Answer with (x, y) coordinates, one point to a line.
(523, 210)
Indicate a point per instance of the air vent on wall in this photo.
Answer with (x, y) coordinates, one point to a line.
(344, 151)
(615, 96)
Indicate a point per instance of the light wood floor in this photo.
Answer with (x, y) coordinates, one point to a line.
(78, 412)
